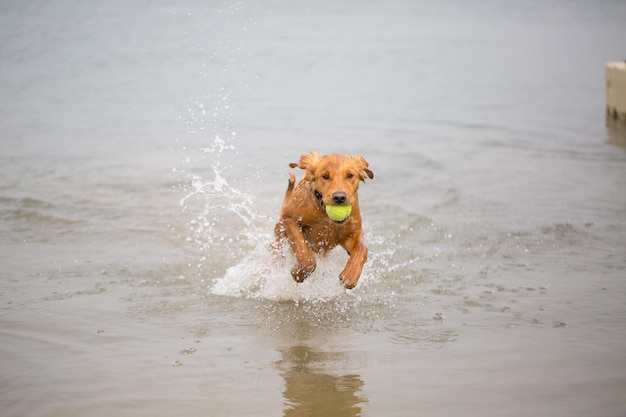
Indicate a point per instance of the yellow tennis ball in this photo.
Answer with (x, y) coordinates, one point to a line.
(338, 213)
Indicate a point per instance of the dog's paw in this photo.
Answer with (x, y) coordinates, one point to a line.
(349, 278)
(300, 272)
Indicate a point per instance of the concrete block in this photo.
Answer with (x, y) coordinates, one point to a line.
(616, 89)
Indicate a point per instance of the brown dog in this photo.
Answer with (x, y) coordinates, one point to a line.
(328, 180)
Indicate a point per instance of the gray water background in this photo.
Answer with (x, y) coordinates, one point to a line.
(143, 158)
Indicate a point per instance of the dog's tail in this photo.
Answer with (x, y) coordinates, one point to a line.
(291, 184)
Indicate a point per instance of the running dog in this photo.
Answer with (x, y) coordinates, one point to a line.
(328, 181)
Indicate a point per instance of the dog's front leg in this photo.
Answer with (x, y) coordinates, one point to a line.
(358, 255)
(304, 256)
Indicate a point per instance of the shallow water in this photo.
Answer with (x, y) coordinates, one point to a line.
(144, 156)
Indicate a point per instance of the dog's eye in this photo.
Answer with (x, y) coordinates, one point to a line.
(326, 176)
(350, 175)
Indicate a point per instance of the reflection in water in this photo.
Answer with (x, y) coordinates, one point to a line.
(311, 392)
(616, 130)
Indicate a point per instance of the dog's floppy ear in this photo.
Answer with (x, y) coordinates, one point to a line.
(363, 168)
(308, 162)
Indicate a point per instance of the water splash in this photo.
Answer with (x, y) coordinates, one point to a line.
(216, 197)
(222, 221)
(262, 274)
(234, 237)
(231, 235)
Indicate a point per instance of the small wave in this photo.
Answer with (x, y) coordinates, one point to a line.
(37, 217)
(25, 213)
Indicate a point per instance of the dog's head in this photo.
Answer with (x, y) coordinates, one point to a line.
(335, 177)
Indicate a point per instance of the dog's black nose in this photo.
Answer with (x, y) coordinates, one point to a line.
(339, 198)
